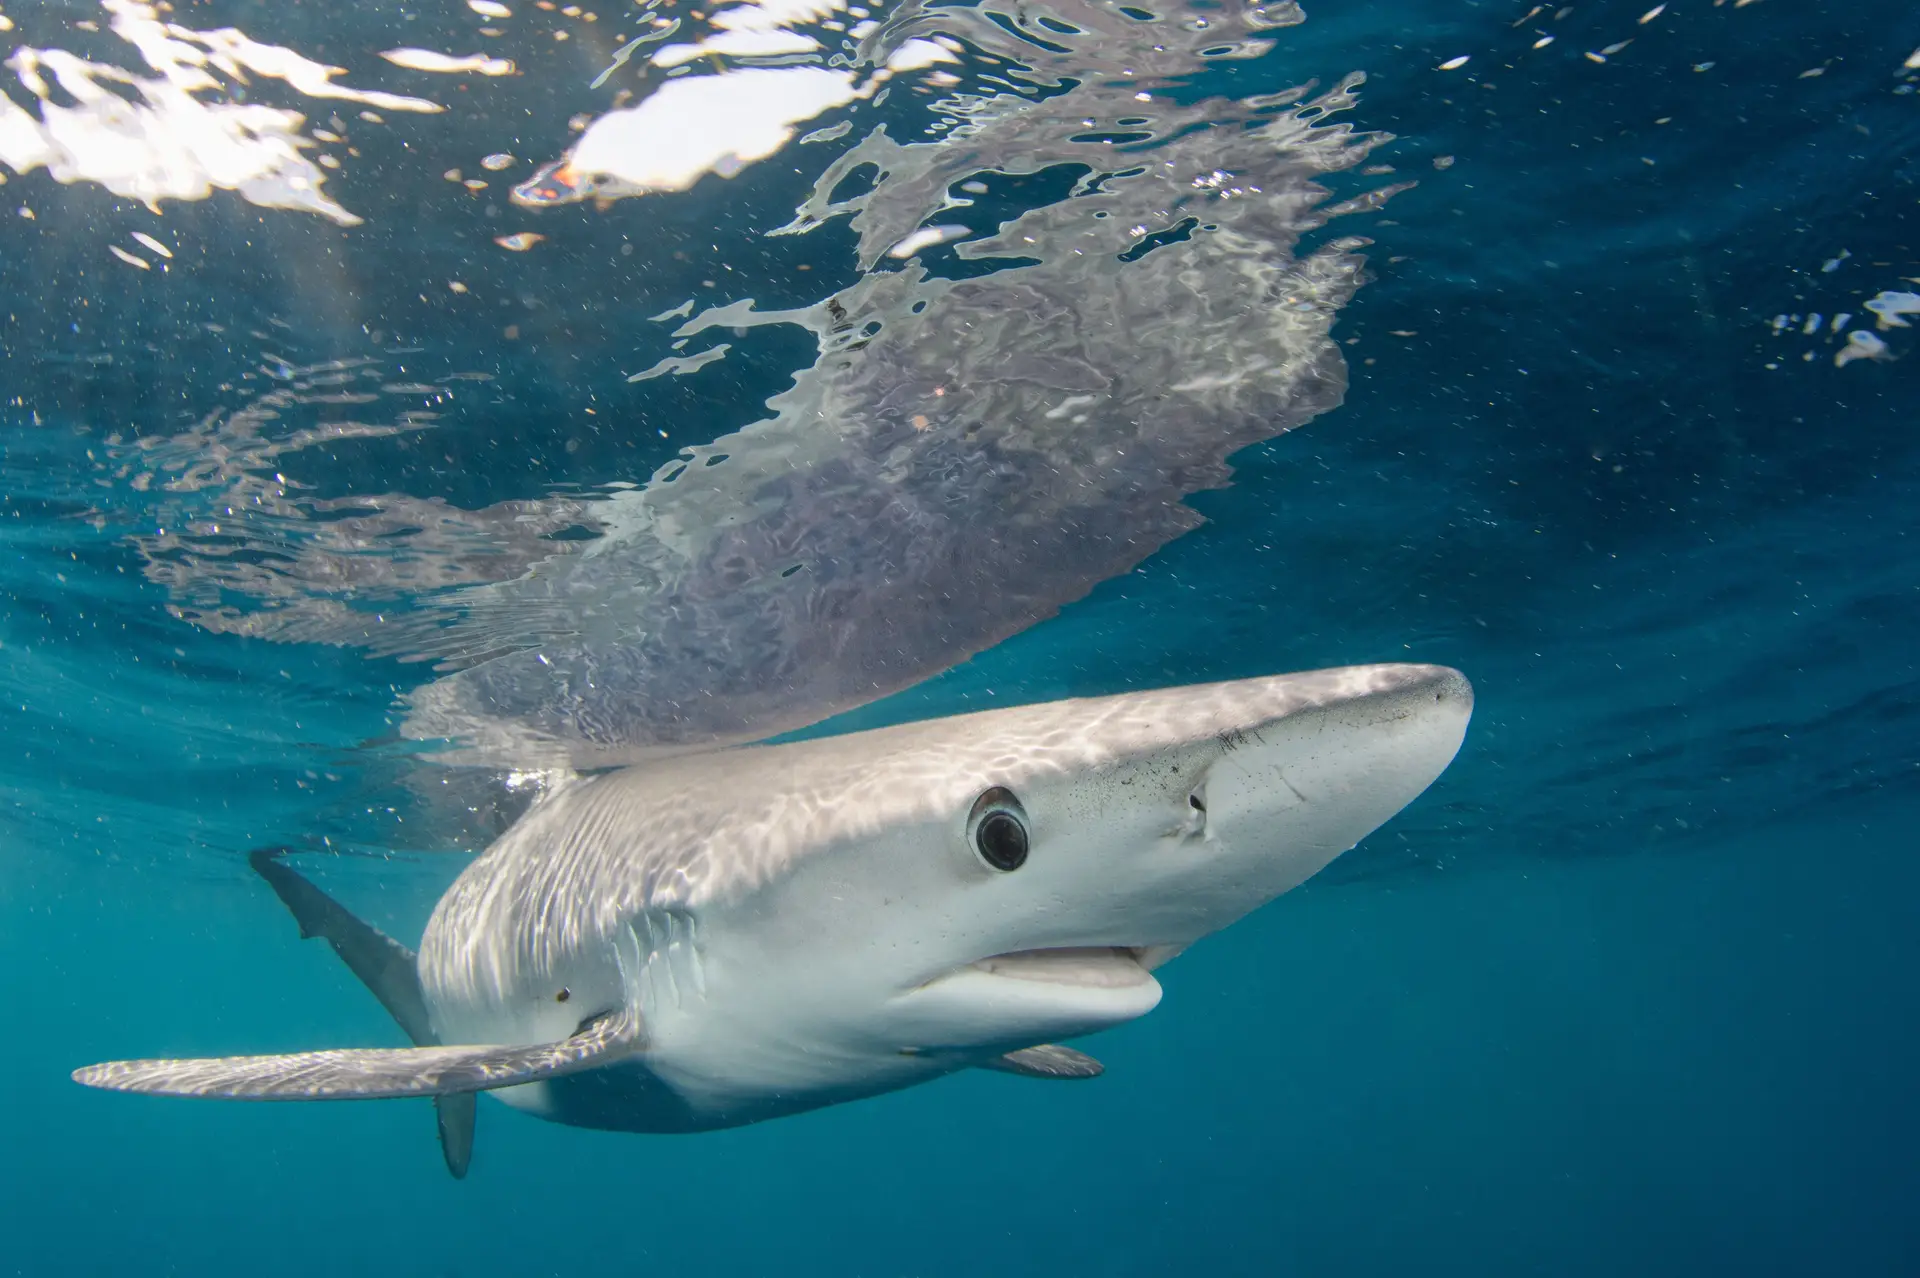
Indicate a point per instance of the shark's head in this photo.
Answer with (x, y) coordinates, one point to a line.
(961, 887)
(1099, 838)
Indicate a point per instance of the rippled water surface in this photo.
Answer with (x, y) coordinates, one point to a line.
(404, 398)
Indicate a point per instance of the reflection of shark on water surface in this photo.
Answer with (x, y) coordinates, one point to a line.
(966, 456)
(985, 434)
(724, 938)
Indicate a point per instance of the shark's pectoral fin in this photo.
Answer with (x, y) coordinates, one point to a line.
(451, 1075)
(377, 1073)
(455, 1114)
(1049, 1060)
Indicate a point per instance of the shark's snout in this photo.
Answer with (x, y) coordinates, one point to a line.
(1358, 760)
(1281, 798)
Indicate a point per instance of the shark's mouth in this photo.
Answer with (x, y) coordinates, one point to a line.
(1091, 967)
(1014, 1000)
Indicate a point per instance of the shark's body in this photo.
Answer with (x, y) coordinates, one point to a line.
(724, 938)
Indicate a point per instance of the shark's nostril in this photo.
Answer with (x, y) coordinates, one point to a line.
(1198, 802)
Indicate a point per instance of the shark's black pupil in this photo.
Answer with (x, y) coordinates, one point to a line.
(1002, 840)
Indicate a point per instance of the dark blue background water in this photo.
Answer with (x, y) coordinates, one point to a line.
(1631, 988)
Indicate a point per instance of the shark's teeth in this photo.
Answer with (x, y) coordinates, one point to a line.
(1099, 967)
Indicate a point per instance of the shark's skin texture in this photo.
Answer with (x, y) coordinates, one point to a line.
(726, 938)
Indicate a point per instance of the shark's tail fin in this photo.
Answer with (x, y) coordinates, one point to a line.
(388, 970)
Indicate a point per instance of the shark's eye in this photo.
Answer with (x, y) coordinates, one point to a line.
(997, 828)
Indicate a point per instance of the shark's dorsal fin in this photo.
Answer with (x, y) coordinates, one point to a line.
(1049, 1060)
(383, 965)
(387, 968)
(374, 1073)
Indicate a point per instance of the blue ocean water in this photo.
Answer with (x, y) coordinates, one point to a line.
(1628, 989)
